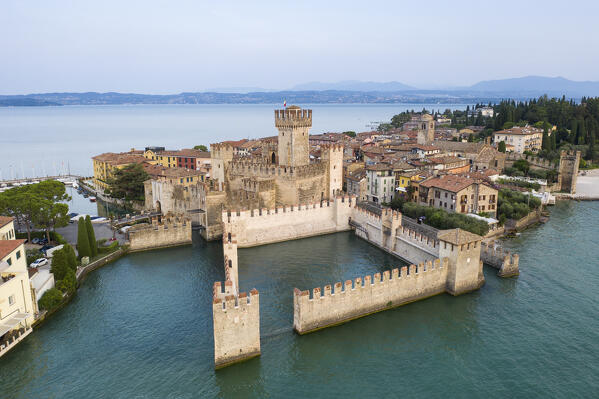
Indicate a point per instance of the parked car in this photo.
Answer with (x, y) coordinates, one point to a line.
(42, 241)
(39, 262)
(45, 248)
(35, 241)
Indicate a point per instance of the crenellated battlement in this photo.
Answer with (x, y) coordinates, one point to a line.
(236, 320)
(169, 231)
(411, 235)
(332, 147)
(293, 117)
(269, 170)
(267, 225)
(352, 299)
(505, 261)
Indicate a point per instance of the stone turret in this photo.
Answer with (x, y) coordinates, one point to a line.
(294, 125)
(568, 171)
(426, 130)
(462, 249)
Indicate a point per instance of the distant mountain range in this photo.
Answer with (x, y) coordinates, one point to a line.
(353, 85)
(330, 93)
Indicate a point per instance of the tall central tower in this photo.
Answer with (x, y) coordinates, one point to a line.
(294, 125)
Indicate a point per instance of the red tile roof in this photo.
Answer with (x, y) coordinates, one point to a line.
(4, 220)
(7, 246)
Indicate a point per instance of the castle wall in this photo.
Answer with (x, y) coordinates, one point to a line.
(327, 308)
(146, 236)
(568, 171)
(266, 226)
(236, 321)
(386, 232)
(506, 262)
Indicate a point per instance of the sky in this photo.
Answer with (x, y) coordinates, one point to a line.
(162, 47)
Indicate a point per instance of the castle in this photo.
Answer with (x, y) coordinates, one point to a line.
(282, 175)
(451, 263)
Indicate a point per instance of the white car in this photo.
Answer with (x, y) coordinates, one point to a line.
(39, 262)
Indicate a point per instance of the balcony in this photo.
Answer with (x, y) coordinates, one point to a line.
(13, 331)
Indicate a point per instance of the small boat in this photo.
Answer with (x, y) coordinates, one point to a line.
(92, 199)
(85, 195)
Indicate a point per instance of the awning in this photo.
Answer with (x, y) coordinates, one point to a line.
(11, 322)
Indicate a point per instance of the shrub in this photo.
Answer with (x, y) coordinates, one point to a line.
(51, 299)
(441, 219)
(68, 284)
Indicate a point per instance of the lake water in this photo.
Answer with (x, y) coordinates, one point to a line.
(141, 327)
(42, 141)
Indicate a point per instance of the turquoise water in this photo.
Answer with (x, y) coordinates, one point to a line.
(141, 327)
(41, 141)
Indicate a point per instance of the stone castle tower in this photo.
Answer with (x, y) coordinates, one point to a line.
(568, 170)
(294, 124)
(426, 130)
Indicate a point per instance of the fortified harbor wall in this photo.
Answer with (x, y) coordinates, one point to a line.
(386, 232)
(347, 302)
(505, 261)
(235, 315)
(171, 231)
(266, 226)
(236, 321)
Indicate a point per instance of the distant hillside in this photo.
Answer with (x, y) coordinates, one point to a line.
(540, 85)
(353, 85)
(20, 101)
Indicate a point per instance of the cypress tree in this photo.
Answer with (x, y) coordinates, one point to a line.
(573, 131)
(545, 143)
(582, 133)
(82, 239)
(71, 256)
(93, 245)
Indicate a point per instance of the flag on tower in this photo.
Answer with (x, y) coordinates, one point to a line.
(284, 103)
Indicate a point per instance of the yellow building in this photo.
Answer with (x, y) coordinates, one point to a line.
(105, 164)
(17, 304)
(182, 176)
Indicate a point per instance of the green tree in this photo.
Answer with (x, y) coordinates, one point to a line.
(522, 165)
(60, 264)
(501, 146)
(201, 147)
(22, 204)
(71, 256)
(128, 183)
(51, 299)
(350, 133)
(68, 284)
(91, 235)
(83, 247)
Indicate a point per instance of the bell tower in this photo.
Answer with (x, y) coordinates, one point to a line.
(294, 125)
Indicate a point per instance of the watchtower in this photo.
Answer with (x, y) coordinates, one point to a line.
(465, 269)
(568, 170)
(426, 130)
(294, 124)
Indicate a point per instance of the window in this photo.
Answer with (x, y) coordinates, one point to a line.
(181, 180)
(19, 254)
(9, 261)
(11, 300)
(445, 195)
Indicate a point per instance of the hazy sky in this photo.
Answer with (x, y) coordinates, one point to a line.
(154, 46)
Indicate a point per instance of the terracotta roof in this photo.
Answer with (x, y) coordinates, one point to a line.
(446, 160)
(7, 246)
(379, 166)
(458, 236)
(452, 183)
(4, 220)
(520, 131)
(120, 158)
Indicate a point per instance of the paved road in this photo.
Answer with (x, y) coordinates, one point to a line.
(101, 230)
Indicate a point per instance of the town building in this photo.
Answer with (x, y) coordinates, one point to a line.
(357, 185)
(380, 182)
(458, 194)
(486, 112)
(481, 156)
(106, 164)
(17, 303)
(522, 139)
